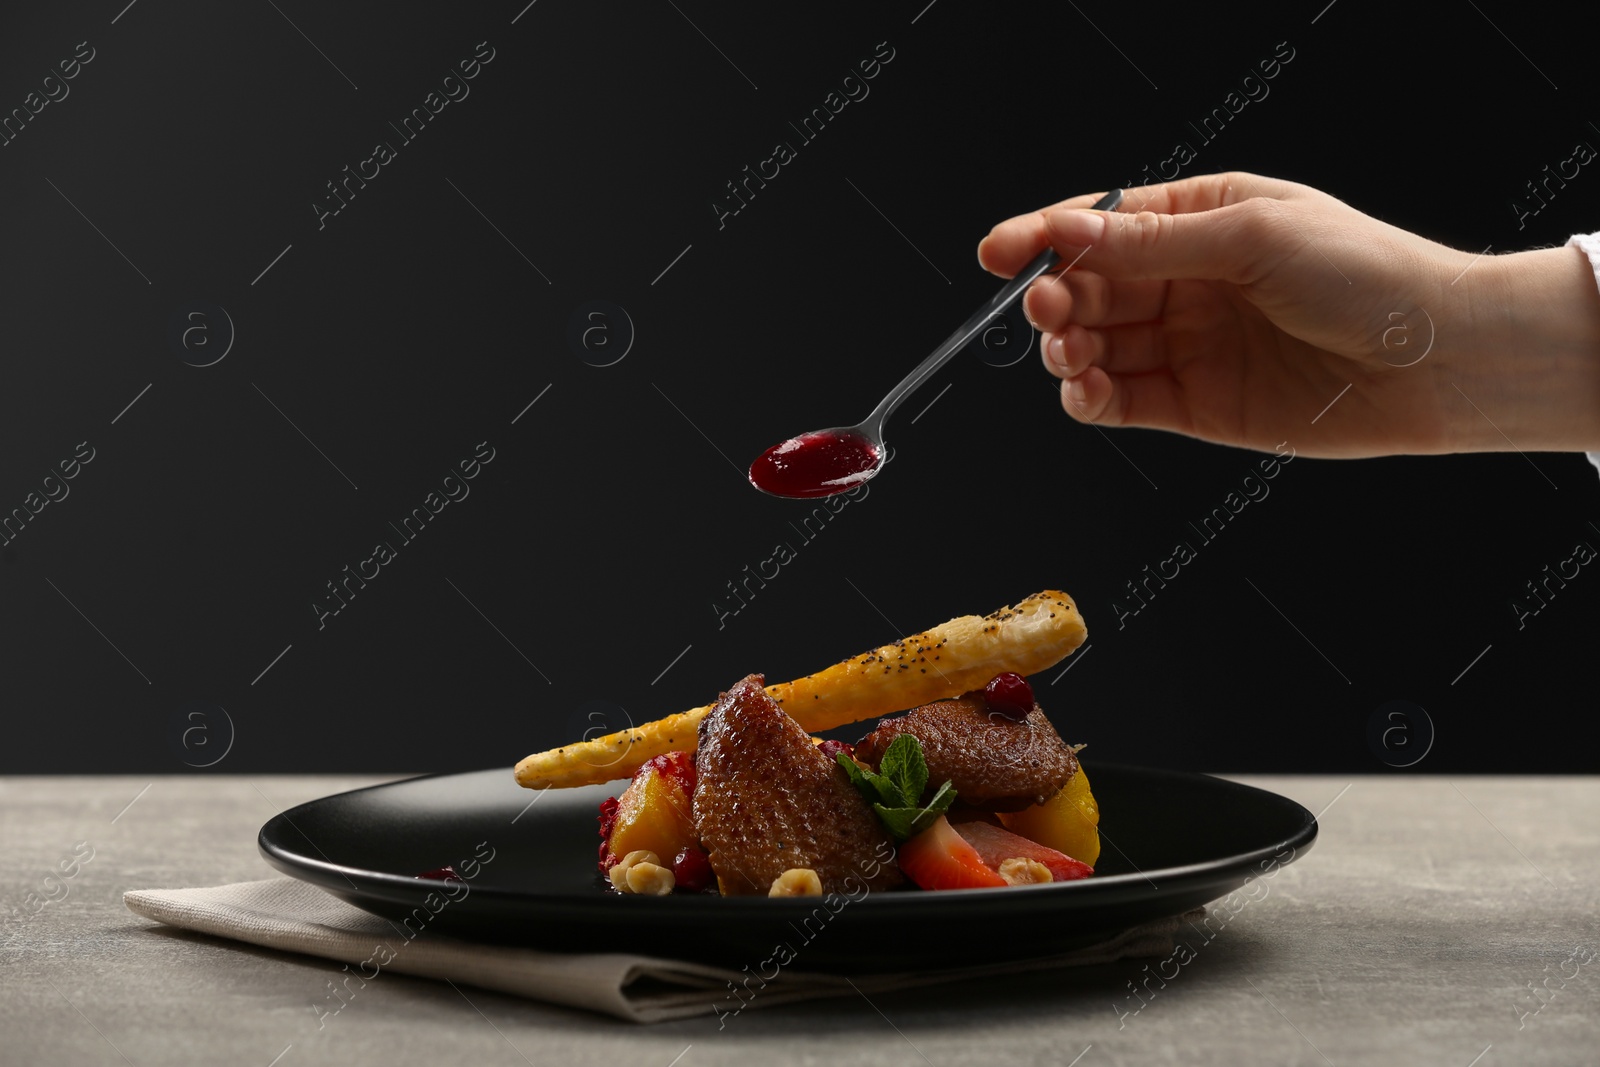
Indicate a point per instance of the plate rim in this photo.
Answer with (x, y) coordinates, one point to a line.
(405, 887)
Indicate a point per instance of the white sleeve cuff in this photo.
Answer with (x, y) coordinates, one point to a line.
(1589, 245)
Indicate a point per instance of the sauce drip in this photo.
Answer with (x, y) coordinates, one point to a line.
(442, 874)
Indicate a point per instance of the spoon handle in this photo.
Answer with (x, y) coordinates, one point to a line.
(994, 308)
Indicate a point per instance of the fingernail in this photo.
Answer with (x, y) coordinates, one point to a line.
(1058, 351)
(1075, 392)
(1077, 227)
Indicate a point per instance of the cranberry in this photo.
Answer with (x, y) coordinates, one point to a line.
(608, 820)
(1010, 695)
(691, 870)
(442, 874)
(608, 816)
(831, 749)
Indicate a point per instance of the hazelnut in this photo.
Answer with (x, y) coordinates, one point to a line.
(1019, 871)
(650, 879)
(796, 882)
(619, 871)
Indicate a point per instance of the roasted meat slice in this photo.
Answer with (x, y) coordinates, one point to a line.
(994, 762)
(767, 801)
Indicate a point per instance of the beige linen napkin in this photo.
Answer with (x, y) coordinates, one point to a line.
(287, 914)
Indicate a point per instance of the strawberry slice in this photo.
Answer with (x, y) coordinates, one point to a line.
(994, 845)
(939, 858)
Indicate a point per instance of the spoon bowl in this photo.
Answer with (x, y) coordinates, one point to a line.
(825, 462)
(819, 463)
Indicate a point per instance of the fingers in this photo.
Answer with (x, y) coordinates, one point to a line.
(1091, 300)
(1015, 241)
(1239, 243)
(1153, 401)
(1085, 320)
(1101, 319)
(1204, 192)
(1133, 349)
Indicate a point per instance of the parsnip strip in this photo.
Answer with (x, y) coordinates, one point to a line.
(954, 658)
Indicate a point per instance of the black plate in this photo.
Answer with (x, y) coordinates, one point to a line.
(1180, 840)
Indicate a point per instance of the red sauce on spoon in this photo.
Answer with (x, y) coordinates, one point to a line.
(815, 464)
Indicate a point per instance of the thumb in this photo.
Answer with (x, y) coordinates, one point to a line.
(1232, 244)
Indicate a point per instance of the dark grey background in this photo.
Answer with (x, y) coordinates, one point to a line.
(160, 615)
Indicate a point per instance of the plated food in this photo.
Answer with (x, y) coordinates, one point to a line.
(972, 787)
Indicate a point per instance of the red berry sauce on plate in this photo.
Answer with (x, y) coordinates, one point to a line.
(442, 874)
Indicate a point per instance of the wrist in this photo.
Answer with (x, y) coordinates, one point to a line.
(1531, 370)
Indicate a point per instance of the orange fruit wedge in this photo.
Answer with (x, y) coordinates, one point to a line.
(1068, 822)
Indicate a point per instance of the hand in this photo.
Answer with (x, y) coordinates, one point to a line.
(1237, 308)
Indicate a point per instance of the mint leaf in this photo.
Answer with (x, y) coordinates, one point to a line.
(858, 777)
(876, 788)
(896, 787)
(943, 797)
(903, 765)
(907, 822)
(898, 821)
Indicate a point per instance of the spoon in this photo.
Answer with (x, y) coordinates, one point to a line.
(825, 462)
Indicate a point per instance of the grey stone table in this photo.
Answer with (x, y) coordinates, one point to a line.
(1449, 922)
